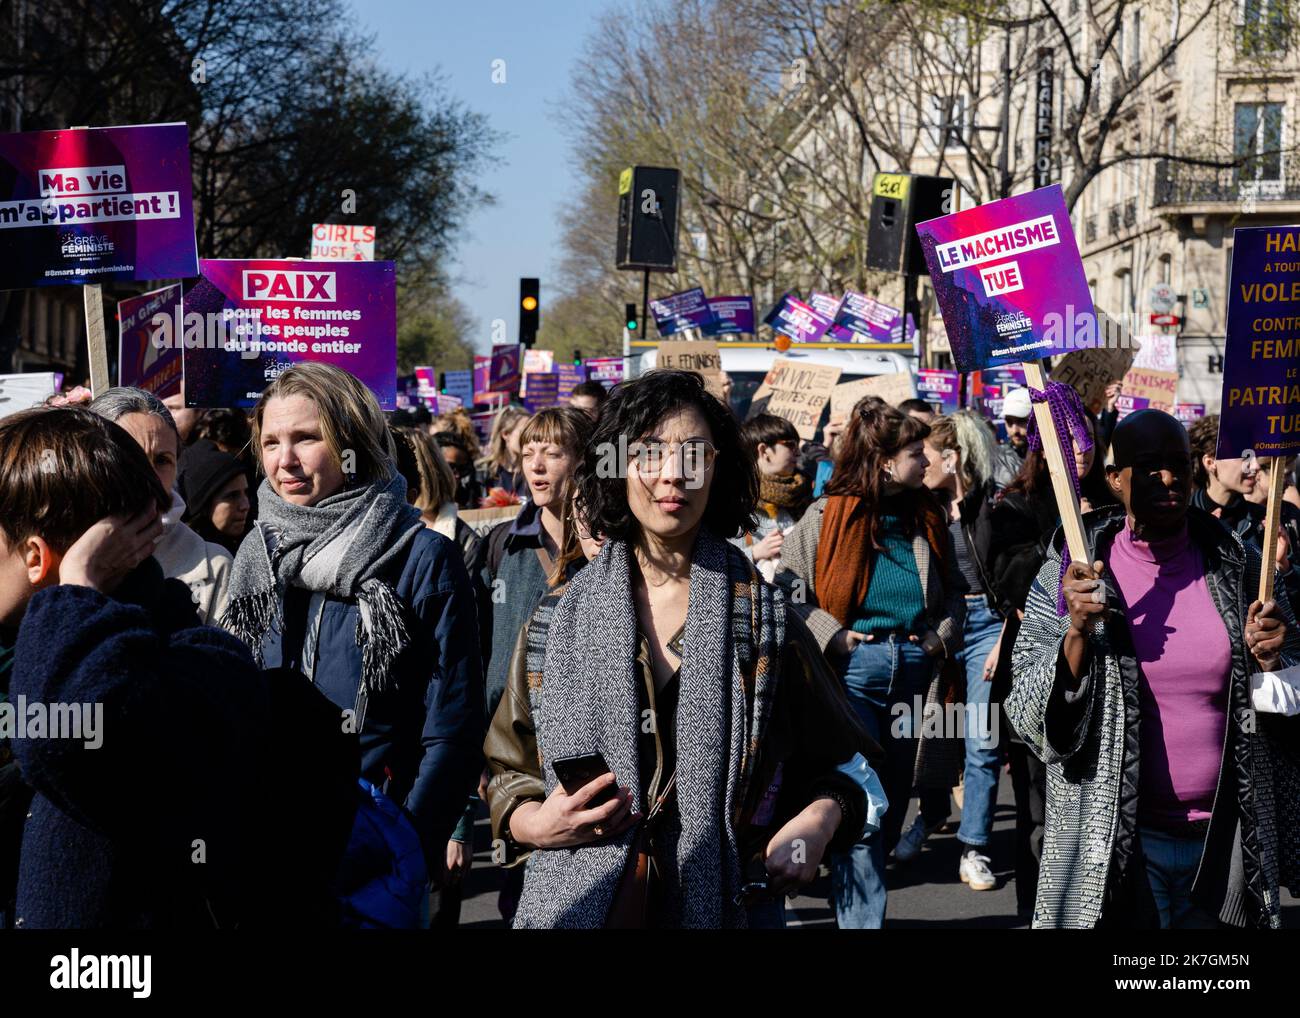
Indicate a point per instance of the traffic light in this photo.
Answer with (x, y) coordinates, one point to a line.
(529, 311)
(577, 357)
(630, 317)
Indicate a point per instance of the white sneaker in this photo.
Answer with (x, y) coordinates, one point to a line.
(909, 845)
(974, 870)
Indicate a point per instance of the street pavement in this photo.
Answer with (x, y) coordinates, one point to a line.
(924, 894)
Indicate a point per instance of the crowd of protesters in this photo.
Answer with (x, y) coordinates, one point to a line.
(679, 673)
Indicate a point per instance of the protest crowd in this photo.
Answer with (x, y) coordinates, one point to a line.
(283, 633)
(672, 685)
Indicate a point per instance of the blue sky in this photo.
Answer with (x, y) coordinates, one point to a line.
(532, 173)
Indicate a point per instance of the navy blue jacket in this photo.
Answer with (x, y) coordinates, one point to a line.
(422, 739)
(114, 835)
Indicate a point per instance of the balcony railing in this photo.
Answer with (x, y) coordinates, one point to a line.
(1183, 184)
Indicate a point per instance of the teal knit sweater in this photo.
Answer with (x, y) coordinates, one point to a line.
(894, 601)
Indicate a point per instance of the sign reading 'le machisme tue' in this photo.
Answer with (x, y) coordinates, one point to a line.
(1261, 364)
(1009, 280)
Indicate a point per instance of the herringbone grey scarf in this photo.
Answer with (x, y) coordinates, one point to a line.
(588, 699)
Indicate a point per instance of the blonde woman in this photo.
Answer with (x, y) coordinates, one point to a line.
(501, 467)
(340, 580)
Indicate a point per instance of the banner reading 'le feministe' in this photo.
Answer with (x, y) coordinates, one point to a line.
(1009, 280)
(94, 205)
(260, 317)
(1261, 363)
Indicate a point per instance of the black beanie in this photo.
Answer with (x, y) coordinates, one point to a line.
(204, 471)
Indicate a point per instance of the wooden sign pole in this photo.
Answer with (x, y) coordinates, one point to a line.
(1268, 569)
(96, 339)
(1067, 502)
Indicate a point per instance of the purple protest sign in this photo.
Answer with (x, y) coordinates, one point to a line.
(96, 205)
(686, 310)
(1189, 413)
(140, 361)
(426, 381)
(543, 390)
(731, 316)
(1009, 280)
(941, 388)
(571, 376)
(608, 371)
(801, 322)
(482, 376)
(863, 319)
(1260, 410)
(1126, 404)
(505, 375)
(257, 318)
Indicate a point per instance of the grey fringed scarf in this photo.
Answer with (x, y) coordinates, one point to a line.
(338, 547)
(587, 698)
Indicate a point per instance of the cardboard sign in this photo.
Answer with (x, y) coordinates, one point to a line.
(940, 388)
(799, 321)
(700, 356)
(22, 392)
(543, 390)
(892, 388)
(342, 242)
(1009, 280)
(686, 310)
(731, 316)
(248, 321)
(96, 205)
(797, 391)
(1260, 409)
(608, 371)
(1156, 389)
(141, 362)
(1090, 371)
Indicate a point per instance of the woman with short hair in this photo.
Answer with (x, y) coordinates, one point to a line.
(341, 580)
(200, 563)
(734, 760)
(783, 492)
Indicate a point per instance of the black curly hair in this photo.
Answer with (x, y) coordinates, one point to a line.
(633, 410)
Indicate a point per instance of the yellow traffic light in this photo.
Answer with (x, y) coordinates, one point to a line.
(530, 303)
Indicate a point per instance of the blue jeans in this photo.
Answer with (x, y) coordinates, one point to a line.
(1171, 868)
(980, 783)
(878, 676)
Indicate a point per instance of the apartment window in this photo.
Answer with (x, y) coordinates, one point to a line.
(1257, 140)
(1124, 288)
(1166, 268)
(948, 121)
(1263, 26)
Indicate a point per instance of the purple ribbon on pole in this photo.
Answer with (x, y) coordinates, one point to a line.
(1066, 408)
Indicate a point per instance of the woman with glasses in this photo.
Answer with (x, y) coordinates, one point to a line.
(783, 492)
(725, 757)
(874, 565)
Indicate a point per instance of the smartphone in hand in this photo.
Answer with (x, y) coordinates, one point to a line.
(574, 772)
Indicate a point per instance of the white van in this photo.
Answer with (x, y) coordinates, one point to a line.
(748, 366)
